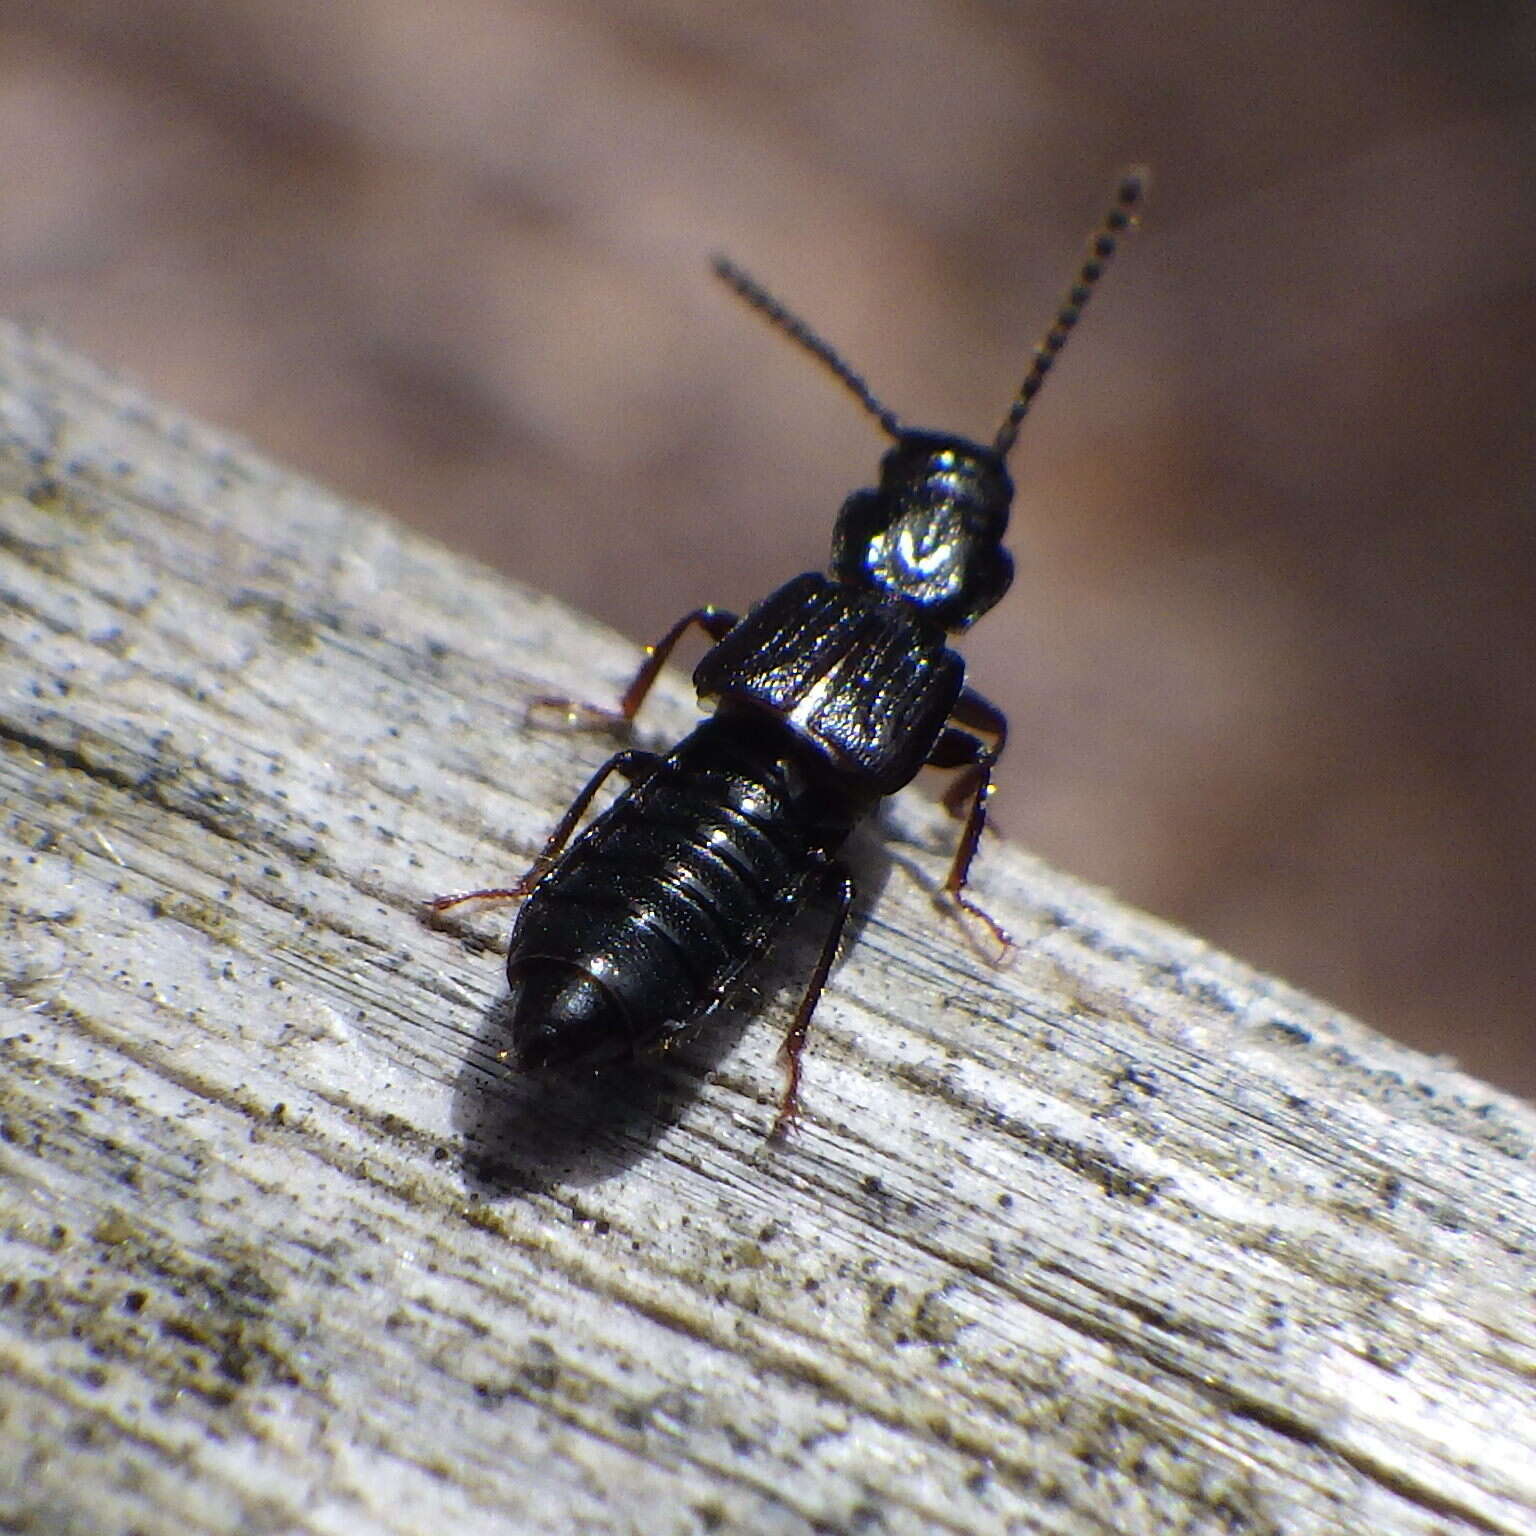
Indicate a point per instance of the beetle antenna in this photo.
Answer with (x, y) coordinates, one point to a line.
(798, 331)
(1119, 221)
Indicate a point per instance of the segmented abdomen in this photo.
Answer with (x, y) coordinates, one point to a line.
(678, 886)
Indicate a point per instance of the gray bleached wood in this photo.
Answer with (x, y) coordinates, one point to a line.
(1125, 1237)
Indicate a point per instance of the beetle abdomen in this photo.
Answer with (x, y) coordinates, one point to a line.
(671, 892)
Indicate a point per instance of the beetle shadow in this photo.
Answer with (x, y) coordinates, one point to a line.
(524, 1133)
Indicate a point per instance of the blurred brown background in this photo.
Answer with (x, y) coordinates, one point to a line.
(1269, 655)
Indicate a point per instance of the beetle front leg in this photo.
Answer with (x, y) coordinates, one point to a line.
(715, 622)
(969, 793)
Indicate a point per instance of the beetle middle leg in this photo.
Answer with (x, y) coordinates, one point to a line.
(837, 879)
(960, 747)
(631, 764)
(715, 622)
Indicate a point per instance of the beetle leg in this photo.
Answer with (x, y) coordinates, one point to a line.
(970, 791)
(633, 765)
(976, 715)
(715, 622)
(837, 879)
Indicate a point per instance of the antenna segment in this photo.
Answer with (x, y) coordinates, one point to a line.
(1120, 220)
(797, 330)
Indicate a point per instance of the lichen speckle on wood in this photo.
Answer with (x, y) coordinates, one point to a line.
(1124, 1237)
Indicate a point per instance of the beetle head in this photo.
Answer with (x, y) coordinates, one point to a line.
(931, 532)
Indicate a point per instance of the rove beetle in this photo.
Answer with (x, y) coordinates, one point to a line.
(829, 695)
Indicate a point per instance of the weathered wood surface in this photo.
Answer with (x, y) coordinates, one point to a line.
(1122, 1238)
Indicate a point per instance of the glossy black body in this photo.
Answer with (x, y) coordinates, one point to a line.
(674, 890)
(832, 692)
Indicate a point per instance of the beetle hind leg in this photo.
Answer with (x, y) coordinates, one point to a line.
(631, 765)
(840, 882)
